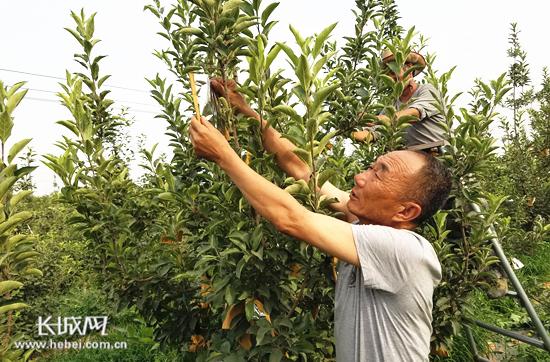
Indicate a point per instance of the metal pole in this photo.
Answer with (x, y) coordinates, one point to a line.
(515, 335)
(539, 327)
(473, 346)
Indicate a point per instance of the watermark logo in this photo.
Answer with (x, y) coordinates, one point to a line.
(71, 325)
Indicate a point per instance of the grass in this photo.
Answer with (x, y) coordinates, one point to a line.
(508, 313)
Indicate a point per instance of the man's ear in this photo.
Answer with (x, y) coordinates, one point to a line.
(409, 211)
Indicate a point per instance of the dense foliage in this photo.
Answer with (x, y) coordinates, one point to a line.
(17, 248)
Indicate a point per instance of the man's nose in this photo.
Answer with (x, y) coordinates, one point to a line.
(360, 179)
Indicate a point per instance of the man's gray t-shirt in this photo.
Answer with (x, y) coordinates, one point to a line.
(426, 132)
(383, 309)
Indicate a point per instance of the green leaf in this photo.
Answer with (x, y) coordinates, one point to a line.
(388, 81)
(303, 154)
(243, 25)
(26, 255)
(294, 189)
(267, 12)
(321, 38)
(75, 35)
(14, 220)
(6, 125)
(304, 185)
(102, 80)
(229, 295)
(303, 72)
(90, 27)
(14, 88)
(276, 356)
(326, 176)
(273, 52)
(8, 171)
(167, 196)
(70, 126)
(250, 310)
(289, 53)
(16, 148)
(11, 307)
(486, 90)
(18, 239)
(19, 196)
(320, 97)
(33, 271)
(189, 30)
(297, 36)
(193, 191)
(261, 334)
(6, 184)
(9, 285)
(238, 238)
(22, 171)
(95, 70)
(320, 63)
(261, 49)
(311, 127)
(325, 140)
(14, 101)
(231, 5)
(240, 265)
(442, 301)
(289, 111)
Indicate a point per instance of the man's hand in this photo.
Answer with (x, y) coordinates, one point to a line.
(366, 134)
(363, 136)
(384, 119)
(207, 140)
(234, 98)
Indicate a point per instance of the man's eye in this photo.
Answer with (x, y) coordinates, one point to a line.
(371, 167)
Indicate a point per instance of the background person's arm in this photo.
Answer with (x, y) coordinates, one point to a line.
(367, 135)
(329, 234)
(407, 112)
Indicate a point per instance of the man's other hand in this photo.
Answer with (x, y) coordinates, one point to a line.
(362, 136)
(207, 141)
(235, 98)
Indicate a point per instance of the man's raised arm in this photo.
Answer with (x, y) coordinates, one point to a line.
(282, 148)
(329, 234)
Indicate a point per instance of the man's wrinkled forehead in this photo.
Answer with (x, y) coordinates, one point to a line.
(400, 161)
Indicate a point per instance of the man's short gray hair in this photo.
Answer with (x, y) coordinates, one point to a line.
(432, 187)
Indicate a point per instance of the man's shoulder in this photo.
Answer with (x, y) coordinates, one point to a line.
(384, 249)
(429, 255)
(375, 228)
(426, 88)
(409, 240)
(401, 238)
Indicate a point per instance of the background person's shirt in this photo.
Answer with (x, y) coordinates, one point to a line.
(383, 309)
(427, 131)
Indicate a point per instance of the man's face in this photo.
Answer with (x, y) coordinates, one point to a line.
(379, 192)
(401, 76)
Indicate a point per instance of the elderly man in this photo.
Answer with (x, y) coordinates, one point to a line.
(387, 272)
(417, 100)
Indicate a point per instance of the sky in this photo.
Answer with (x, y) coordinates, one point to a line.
(34, 47)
